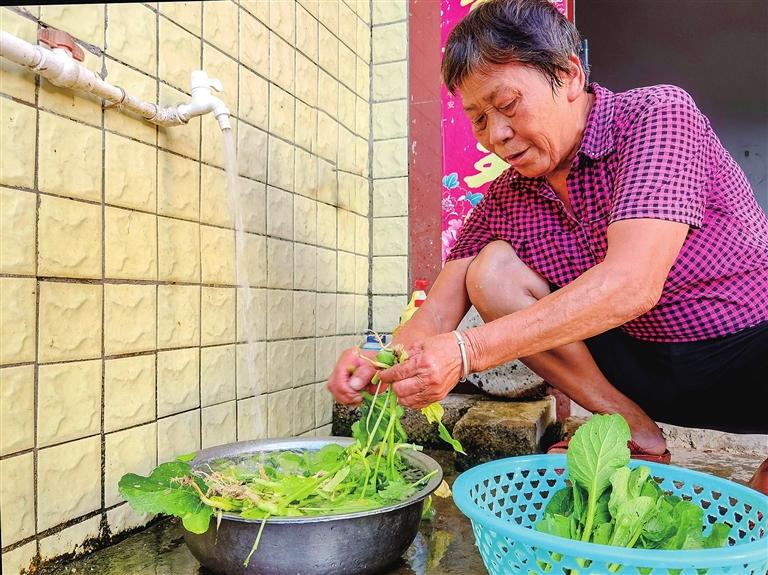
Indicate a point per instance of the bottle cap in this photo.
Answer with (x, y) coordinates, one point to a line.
(421, 284)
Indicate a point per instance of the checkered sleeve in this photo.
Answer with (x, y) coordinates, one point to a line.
(476, 232)
(661, 170)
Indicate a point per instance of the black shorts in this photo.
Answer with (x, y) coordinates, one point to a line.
(719, 383)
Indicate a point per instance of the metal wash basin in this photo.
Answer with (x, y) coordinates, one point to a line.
(345, 544)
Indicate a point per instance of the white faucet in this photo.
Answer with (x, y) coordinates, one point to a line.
(203, 101)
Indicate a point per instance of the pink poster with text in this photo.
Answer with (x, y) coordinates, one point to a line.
(468, 168)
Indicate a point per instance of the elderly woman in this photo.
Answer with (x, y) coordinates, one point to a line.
(622, 257)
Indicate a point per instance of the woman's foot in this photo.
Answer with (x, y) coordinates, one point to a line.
(759, 480)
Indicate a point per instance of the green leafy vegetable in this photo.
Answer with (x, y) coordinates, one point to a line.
(366, 475)
(612, 504)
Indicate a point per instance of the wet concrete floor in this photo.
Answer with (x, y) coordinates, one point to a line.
(445, 545)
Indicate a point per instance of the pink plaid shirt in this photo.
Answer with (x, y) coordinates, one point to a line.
(646, 153)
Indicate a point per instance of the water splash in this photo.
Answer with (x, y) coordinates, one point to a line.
(244, 296)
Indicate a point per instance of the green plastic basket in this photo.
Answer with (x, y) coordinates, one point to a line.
(504, 499)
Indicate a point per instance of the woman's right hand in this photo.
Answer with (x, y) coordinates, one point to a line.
(351, 376)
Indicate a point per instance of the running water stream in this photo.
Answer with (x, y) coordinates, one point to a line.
(244, 297)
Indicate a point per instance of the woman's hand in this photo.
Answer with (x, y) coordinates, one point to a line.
(429, 373)
(351, 376)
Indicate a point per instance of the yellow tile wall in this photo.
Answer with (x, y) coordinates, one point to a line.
(126, 336)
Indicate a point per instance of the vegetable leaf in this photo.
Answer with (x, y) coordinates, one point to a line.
(594, 453)
(168, 490)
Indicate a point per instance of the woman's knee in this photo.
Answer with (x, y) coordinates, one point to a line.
(499, 283)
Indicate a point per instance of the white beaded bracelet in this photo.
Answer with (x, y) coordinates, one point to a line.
(463, 355)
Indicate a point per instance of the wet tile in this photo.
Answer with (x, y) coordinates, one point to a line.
(72, 539)
(17, 496)
(17, 389)
(252, 155)
(252, 418)
(253, 261)
(69, 401)
(252, 203)
(68, 481)
(217, 374)
(178, 381)
(251, 369)
(129, 451)
(251, 314)
(219, 424)
(281, 412)
(178, 435)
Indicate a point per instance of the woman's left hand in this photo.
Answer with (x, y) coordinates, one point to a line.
(429, 373)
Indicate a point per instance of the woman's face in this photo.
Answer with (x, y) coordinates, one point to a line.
(516, 115)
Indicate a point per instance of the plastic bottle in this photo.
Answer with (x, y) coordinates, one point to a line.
(372, 343)
(418, 297)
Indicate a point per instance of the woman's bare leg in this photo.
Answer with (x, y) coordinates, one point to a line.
(498, 284)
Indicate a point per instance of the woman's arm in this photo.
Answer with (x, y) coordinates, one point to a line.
(626, 284)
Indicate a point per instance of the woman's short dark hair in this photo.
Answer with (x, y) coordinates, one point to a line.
(529, 32)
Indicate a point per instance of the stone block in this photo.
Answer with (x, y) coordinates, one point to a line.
(496, 429)
(414, 422)
(512, 380)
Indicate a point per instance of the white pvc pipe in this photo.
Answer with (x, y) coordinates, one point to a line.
(62, 70)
